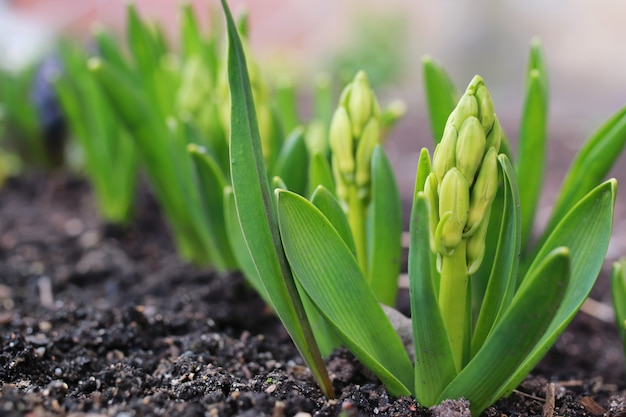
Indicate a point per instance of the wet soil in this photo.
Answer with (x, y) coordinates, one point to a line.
(103, 321)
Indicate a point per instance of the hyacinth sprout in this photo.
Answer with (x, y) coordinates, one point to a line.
(460, 190)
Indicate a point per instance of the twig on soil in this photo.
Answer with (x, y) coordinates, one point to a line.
(548, 407)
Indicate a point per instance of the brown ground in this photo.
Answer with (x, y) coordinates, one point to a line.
(97, 321)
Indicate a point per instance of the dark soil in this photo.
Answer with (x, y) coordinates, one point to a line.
(101, 321)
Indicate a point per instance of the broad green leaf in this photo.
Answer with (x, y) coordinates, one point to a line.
(329, 205)
(256, 210)
(292, 164)
(532, 142)
(441, 96)
(590, 166)
(586, 231)
(384, 230)
(515, 335)
(618, 291)
(320, 173)
(503, 278)
(331, 277)
(434, 364)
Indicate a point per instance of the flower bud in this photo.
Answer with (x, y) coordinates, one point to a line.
(341, 188)
(444, 157)
(360, 103)
(470, 148)
(483, 192)
(453, 209)
(342, 144)
(494, 138)
(430, 191)
(485, 107)
(467, 106)
(370, 138)
(475, 249)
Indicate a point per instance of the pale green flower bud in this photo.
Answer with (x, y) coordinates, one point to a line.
(470, 148)
(494, 138)
(483, 192)
(430, 191)
(485, 106)
(467, 107)
(342, 144)
(444, 157)
(341, 188)
(454, 203)
(475, 249)
(370, 138)
(359, 100)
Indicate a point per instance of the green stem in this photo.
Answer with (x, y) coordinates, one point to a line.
(453, 300)
(356, 219)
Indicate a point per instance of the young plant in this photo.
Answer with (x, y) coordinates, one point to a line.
(109, 151)
(302, 257)
(152, 98)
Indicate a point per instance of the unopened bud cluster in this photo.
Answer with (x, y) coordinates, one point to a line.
(464, 177)
(354, 133)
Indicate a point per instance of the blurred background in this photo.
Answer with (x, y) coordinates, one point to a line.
(582, 40)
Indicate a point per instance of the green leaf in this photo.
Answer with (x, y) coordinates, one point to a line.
(287, 103)
(292, 164)
(256, 210)
(331, 277)
(441, 96)
(320, 173)
(191, 37)
(323, 99)
(211, 183)
(515, 335)
(385, 230)
(239, 247)
(502, 281)
(618, 291)
(110, 153)
(423, 170)
(532, 143)
(590, 166)
(586, 231)
(434, 364)
(329, 205)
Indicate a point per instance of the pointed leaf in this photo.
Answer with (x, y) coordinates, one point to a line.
(256, 210)
(586, 231)
(434, 364)
(330, 275)
(211, 183)
(515, 335)
(590, 166)
(292, 164)
(320, 173)
(385, 230)
(618, 290)
(329, 205)
(503, 278)
(441, 96)
(532, 142)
